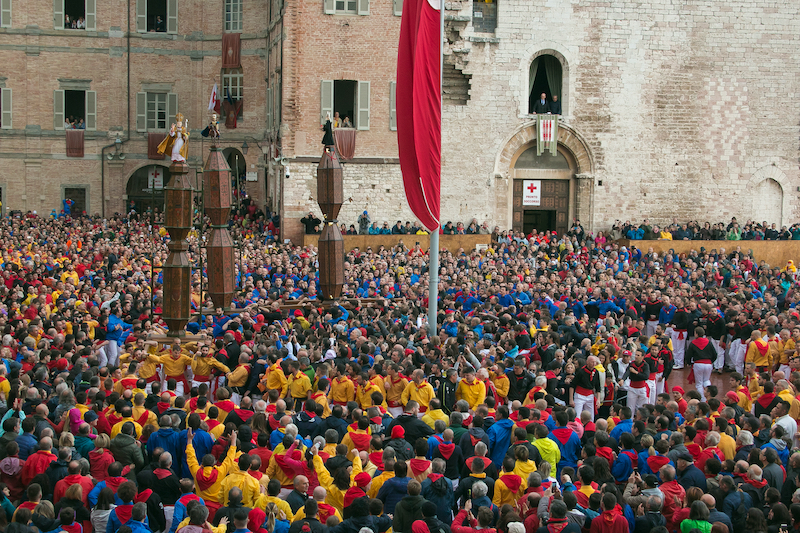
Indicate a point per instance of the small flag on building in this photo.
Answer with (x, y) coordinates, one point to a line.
(546, 134)
(213, 102)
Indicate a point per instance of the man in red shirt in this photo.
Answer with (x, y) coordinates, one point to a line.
(674, 494)
(611, 520)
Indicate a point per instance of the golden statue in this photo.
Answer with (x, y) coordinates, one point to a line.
(176, 141)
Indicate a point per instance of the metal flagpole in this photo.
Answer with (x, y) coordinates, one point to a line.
(433, 269)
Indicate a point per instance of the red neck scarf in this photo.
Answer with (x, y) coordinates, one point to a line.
(447, 449)
(418, 466)
(205, 481)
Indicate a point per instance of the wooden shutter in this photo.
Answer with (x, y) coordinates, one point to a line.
(141, 16)
(5, 13)
(58, 110)
(269, 108)
(393, 106)
(363, 105)
(91, 110)
(91, 15)
(397, 7)
(329, 6)
(276, 108)
(363, 7)
(141, 111)
(172, 16)
(5, 101)
(172, 108)
(326, 98)
(58, 14)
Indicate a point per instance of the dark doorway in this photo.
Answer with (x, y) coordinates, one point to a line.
(157, 15)
(540, 86)
(78, 197)
(539, 221)
(75, 107)
(142, 196)
(344, 99)
(75, 10)
(547, 80)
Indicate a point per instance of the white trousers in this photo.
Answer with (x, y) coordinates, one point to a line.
(650, 328)
(660, 384)
(738, 353)
(395, 411)
(678, 347)
(169, 512)
(720, 361)
(702, 377)
(584, 403)
(651, 395)
(112, 349)
(637, 397)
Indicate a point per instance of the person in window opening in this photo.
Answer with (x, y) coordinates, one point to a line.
(160, 24)
(555, 105)
(347, 123)
(81, 125)
(337, 121)
(541, 106)
(311, 223)
(67, 22)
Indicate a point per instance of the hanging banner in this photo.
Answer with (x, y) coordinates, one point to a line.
(155, 178)
(546, 134)
(532, 192)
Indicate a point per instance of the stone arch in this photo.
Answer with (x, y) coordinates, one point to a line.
(137, 188)
(767, 188)
(525, 135)
(544, 48)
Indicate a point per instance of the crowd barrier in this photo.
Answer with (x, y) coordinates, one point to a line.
(450, 242)
(774, 253)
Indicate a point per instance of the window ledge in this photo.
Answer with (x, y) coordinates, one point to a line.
(457, 18)
(157, 35)
(482, 39)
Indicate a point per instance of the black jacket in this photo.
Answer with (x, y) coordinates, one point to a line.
(467, 448)
(378, 524)
(315, 525)
(447, 395)
(415, 428)
(540, 108)
(406, 512)
(296, 500)
(402, 449)
(441, 493)
(519, 385)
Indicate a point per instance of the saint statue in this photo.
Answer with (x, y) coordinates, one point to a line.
(176, 141)
(212, 130)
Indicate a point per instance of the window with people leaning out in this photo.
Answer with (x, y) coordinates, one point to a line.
(74, 110)
(157, 16)
(74, 14)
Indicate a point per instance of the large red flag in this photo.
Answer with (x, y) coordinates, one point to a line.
(419, 111)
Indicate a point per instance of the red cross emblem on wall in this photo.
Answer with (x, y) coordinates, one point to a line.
(531, 187)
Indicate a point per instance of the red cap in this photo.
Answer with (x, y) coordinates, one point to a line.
(732, 395)
(678, 388)
(363, 479)
(62, 364)
(298, 312)
(398, 432)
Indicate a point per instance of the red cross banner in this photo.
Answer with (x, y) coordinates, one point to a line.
(532, 192)
(155, 178)
(419, 108)
(546, 134)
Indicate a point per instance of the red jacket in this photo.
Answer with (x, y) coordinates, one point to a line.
(74, 479)
(672, 490)
(36, 464)
(612, 521)
(458, 527)
(100, 459)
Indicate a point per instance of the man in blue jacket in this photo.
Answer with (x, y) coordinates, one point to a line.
(567, 441)
(625, 425)
(500, 436)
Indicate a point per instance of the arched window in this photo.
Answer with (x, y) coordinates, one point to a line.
(544, 77)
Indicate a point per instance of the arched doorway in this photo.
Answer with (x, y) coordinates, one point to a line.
(543, 190)
(238, 166)
(145, 189)
(768, 202)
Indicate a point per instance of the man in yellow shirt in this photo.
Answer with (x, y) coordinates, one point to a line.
(237, 378)
(202, 364)
(435, 413)
(759, 353)
(471, 390)
(127, 416)
(418, 390)
(342, 388)
(365, 390)
(395, 385)
(175, 363)
(500, 380)
(274, 377)
(299, 385)
(241, 479)
(208, 477)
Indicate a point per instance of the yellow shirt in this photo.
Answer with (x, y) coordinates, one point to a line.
(174, 367)
(335, 496)
(342, 390)
(218, 529)
(201, 366)
(321, 399)
(728, 446)
(249, 485)
(377, 483)
(276, 379)
(432, 415)
(264, 500)
(238, 378)
(211, 493)
(474, 393)
(394, 391)
(754, 355)
(118, 427)
(503, 495)
(139, 411)
(422, 394)
(301, 513)
(364, 395)
(501, 384)
(299, 385)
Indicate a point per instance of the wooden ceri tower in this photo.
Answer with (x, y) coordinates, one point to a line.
(330, 197)
(177, 270)
(219, 250)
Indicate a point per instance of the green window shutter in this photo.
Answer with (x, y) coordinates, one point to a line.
(329, 6)
(363, 105)
(393, 106)
(363, 7)
(172, 16)
(91, 110)
(58, 110)
(141, 111)
(5, 13)
(5, 102)
(269, 108)
(58, 14)
(141, 16)
(397, 7)
(172, 108)
(326, 99)
(91, 15)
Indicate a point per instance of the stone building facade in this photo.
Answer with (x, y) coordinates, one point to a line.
(134, 63)
(684, 111)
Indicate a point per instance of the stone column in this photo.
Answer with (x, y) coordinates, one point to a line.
(177, 270)
(584, 198)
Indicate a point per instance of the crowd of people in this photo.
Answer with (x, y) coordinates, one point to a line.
(550, 399)
(692, 230)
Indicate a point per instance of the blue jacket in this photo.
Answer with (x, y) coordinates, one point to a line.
(570, 445)
(391, 492)
(625, 426)
(499, 440)
(666, 314)
(623, 466)
(114, 523)
(180, 511)
(166, 439)
(27, 444)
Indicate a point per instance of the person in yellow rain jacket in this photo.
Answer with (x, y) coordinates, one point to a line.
(500, 380)
(273, 495)
(175, 363)
(471, 390)
(548, 448)
(435, 413)
(320, 397)
(389, 460)
(759, 353)
(238, 477)
(418, 390)
(337, 486)
(358, 438)
(509, 487)
(365, 390)
(208, 477)
(237, 378)
(342, 388)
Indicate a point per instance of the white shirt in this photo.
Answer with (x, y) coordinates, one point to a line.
(788, 424)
